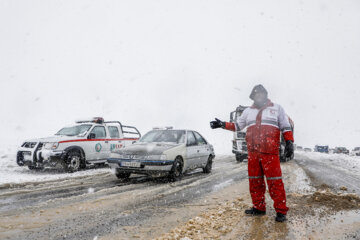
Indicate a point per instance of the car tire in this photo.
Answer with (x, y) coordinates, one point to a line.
(240, 157)
(176, 170)
(208, 167)
(121, 175)
(72, 161)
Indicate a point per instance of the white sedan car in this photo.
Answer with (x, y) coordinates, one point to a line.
(162, 152)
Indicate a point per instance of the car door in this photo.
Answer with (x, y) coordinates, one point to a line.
(98, 145)
(203, 147)
(114, 141)
(192, 151)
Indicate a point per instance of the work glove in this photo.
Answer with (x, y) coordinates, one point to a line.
(289, 149)
(217, 124)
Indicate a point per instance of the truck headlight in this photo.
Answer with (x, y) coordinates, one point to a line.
(54, 145)
(51, 145)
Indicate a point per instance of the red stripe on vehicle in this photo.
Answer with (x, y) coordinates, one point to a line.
(97, 140)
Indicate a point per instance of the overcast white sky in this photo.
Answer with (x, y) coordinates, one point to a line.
(180, 63)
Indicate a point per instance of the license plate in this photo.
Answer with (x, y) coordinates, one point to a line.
(130, 164)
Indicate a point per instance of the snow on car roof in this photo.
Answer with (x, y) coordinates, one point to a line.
(173, 130)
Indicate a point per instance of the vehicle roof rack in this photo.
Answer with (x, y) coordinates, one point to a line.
(129, 128)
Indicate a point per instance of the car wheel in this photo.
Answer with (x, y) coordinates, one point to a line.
(208, 167)
(121, 175)
(240, 157)
(176, 170)
(72, 161)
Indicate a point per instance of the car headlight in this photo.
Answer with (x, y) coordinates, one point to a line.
(155, 157)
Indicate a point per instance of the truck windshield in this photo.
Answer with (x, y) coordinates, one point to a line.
(173, 136)
(74, 130)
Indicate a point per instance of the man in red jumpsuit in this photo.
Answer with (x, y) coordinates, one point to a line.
(264, 121)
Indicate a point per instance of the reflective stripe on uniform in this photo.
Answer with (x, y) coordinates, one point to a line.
(254, 177)
(276, 123)
(251, 123)
(285, 129)
(273, 178)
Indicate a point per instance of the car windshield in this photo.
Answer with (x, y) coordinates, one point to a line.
(74, 130)
(173, 136)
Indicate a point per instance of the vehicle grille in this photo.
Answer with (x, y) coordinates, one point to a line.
(241, 134)
(244, 146)
(234, 144)
(29, 144)
(39, 147)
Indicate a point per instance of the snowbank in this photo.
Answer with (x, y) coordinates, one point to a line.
(10, 172)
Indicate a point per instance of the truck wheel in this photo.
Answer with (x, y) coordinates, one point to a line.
(240, 157)
(31, 167)
(176, 170)
(72, 161)
(208, 167)
(121, 175)
(20, 159)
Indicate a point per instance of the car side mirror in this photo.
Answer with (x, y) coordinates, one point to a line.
(92, 136)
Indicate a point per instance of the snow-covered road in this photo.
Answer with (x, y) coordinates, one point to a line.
(338, 170)
(94, 203)
(72, 195)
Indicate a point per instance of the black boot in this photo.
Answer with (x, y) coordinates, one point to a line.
(255, 212)
(280, 217)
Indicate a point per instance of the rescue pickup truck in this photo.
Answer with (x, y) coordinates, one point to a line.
(74, 147)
